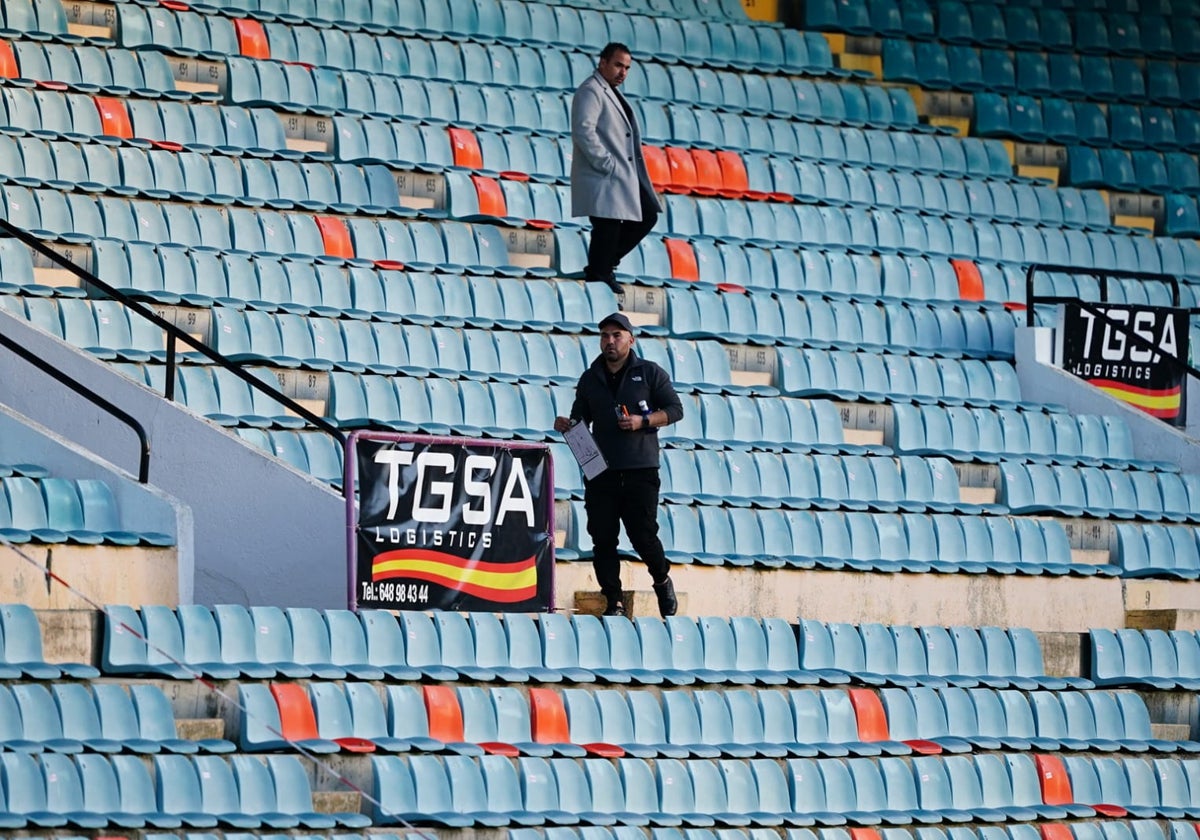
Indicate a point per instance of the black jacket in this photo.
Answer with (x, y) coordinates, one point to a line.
(595, 403)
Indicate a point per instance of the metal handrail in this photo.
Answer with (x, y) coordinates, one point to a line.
(1102, 274)
(87, 393)
(174, 334)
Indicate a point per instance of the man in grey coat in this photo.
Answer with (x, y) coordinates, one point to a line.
(609, 181)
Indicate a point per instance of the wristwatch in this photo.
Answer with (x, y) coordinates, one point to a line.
(646, 419)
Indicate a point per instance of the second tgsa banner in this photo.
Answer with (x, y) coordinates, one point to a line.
(454, 525)
(1099, 348)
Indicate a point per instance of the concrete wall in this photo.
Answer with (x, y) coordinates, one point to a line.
(1146, 594)
(264, 533)
(96, 574)
(1047, 604)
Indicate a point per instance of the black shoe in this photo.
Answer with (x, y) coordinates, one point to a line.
(668, 605)
(615, 608)
(609, 280)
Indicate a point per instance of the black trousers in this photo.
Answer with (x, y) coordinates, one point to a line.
(629, 497)
(612, 239)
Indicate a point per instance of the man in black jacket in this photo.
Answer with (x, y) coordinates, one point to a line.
(625, 399)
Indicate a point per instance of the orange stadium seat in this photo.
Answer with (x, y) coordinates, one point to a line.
(445, 714)
(8, 61)
(1056, 831)
(335, 237)
(1056, 788)
(252, 38)
(1056, 784)
(465, 146)
(657, 166)
(683, 170)
(113, 117)
(735, 177)
(297, 721)
(709, 178)
(868, 710)
(548, 715)
(970, 282)
(491, 197)
(446, 722)
(683, 259)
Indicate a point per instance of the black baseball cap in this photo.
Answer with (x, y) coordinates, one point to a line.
(617, 319)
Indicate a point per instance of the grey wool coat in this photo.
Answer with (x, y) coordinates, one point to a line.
(606, 162)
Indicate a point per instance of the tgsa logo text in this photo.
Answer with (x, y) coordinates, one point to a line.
(433, 493)
(1158, 328)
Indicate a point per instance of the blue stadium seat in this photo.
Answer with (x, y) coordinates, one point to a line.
(26, 794)
(179, 793)
(155, 721)
(293, 794)
(361, 716)
(137, 796)
(125, 643)
(39, 716)
(273, 642)
(112, 705)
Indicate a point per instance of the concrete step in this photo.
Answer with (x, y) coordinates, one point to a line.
(961, 125)
(863, 437)
(1174, 714)
(977, 495)
(1171, 731)
(1145, 223)
(199, 729)
(936, 104)
(644, 305)
(872, 64)
(1042, 173)
(1178, 619)
(1146, 594)
(71, 635)
(1063, 653)
(337, 801)
(1095, 556)
(638, 602)
(1049, 157)
(1134, 206)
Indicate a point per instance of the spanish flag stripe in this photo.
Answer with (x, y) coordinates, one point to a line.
(1145, 401)
(1142, 399)
(498, 581)
(403, 568)
(1171, 407)
(453, 560)
(504, 595)
(1134, 389)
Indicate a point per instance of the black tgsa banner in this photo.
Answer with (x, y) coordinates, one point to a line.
(1094, 349)
(453, 525)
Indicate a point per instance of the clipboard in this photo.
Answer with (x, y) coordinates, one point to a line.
(583, 447)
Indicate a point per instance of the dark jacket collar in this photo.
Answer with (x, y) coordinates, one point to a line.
(600, 369)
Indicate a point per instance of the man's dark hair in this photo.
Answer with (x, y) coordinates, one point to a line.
(611, 49)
